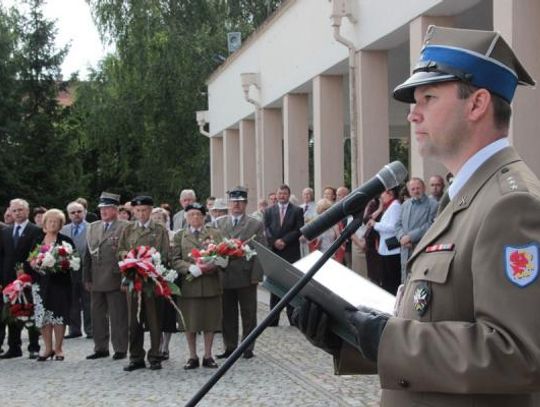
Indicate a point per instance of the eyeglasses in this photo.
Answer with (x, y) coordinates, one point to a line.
(74, 212)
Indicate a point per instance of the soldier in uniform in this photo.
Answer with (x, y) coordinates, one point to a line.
(102, 279)
(200, 302)
(465, 333)
(143, 232)
(240, 277)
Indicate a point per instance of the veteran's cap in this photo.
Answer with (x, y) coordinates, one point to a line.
(108, 199)
(481, 58)
(142, 200)
(197, 206)
(238, 193)
(220, 204)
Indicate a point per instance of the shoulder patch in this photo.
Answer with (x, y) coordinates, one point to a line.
(521, 264)
(511, 181)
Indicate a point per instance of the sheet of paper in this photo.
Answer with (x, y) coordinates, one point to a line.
(350, 286)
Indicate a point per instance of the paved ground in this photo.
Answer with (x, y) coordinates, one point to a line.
(287, 371)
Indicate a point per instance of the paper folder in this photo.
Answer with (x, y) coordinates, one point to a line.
(334, 287)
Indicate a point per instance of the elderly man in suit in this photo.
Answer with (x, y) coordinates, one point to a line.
(102, 279)
(16, 243)
(417, 215)
(80, 299)
(282, 223)
(187, 197)
(241, 277)
(143, 232)
(465, 332)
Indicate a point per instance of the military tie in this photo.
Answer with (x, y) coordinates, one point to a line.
(76, 230)
(106, 227)
(235, 222)
(16, 235)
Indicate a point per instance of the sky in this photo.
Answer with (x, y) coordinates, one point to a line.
(75, 25)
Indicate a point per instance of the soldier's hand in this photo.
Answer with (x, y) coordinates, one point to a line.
(367, 325)
(314, 323)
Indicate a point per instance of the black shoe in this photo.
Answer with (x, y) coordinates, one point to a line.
(33, 355)
(164, 355)
(191, 364)
(119, 355)
(98, 354)
(248, 354)
(225, 354)
(71, 335)
(11, 353)
(45, 357)
(155, 365)
(209, 362)
(134, 366)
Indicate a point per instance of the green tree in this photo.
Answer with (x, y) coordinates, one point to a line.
(36, 143)
(138, 110)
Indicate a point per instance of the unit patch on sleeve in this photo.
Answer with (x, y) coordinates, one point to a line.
(521, 264)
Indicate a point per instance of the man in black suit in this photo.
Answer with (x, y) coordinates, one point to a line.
(16, 242)
(282, 223)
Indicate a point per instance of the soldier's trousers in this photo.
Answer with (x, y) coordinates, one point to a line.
(246, 298)
(150, 318)
(110, 320)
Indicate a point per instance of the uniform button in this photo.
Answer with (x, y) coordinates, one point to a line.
(403, 383)
(426, 271)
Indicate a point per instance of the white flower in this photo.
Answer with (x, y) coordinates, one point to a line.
(156, 257)
(48, 260)
(75, 263)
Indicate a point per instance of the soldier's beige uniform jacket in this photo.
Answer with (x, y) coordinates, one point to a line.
(155, 235)
(478, 342)
(240, 272)
(100, 266)
(206, 285)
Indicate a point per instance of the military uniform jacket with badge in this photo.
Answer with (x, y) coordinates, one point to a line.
(100, 266)
(206, 285)
(240, 272)
(134, 235)
(467, 331)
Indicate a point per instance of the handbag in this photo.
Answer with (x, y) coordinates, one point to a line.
(392, 243)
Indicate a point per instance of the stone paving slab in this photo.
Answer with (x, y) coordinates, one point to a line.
(286, 371)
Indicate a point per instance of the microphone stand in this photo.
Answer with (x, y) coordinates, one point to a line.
(347, 232)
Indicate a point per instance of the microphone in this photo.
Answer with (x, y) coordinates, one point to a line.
(390, 176)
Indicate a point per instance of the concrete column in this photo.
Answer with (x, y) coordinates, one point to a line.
(295, 142)
(216, 166)
(248, 170)
(517, 21)
(373, 121)
(272, 149)
(231, 158)
(328, 118)
(423, 167)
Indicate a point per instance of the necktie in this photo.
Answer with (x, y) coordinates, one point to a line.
(196, 234)
(235, 222)
(107, 225)
(306, 207)
(16, 235)
(76, 230)
(281, 214)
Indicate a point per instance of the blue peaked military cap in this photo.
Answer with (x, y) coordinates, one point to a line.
(142, 200)
(481, 58)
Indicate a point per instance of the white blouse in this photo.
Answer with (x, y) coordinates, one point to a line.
(387, 228)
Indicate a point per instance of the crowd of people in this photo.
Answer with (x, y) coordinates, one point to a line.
(92, 300)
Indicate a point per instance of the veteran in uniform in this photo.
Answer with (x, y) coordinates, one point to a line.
(102, 279)
(200, 302)
(240, 277)
(466, 331)
(143, 232)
